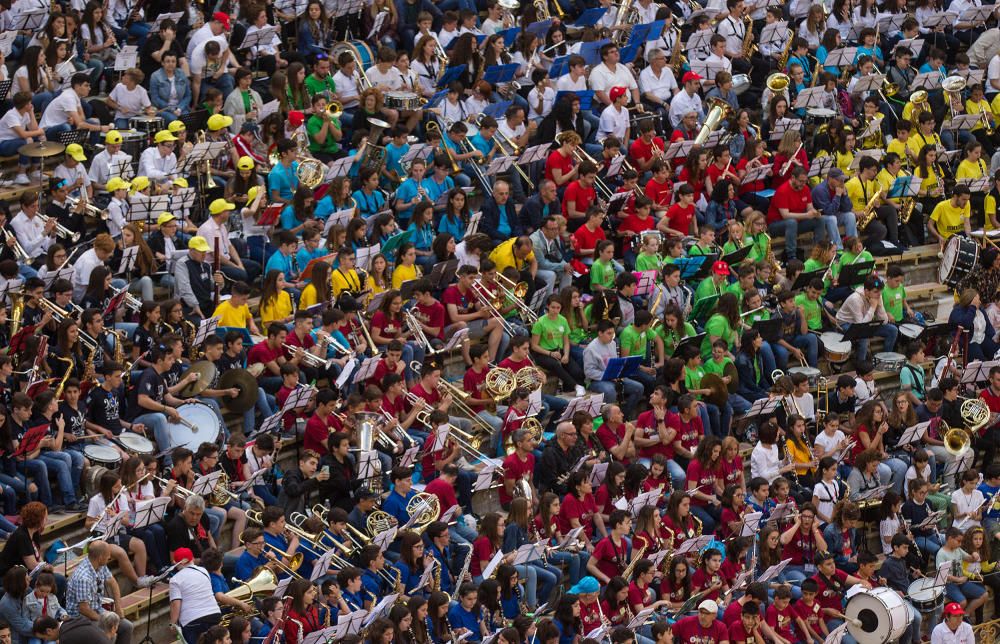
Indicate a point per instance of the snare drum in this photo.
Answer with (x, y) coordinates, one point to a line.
(133, 143)
(148, 125)
(136, 444)
(821, 113)
(811, 373)
(199, 424)
(403, 101)
(882, 614)
(359, 48)
(925, 596)
(103, 455)
(889, 361)
(961, 255)
(837, 349)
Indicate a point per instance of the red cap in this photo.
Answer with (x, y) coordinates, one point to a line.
(183, 554)
(296, 118)
(720, 268)
(690, 76)
(221, 17)
(954, 608)
(616, 92)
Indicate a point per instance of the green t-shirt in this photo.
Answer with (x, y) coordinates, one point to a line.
(729, 248)
(707, 288)
(672, 338)
(759, 251)
(550, 332)
(717, 326)
(717, 367)
(317, 85)
(579, 334)
(633, 343)
(313, 126)
(697, 250)
(736, 290)
(814, 315)
(849, 258)
(647, 262)
(763, 314)
(815, 265)
(602, 274)
(692, 377)
(892, 299)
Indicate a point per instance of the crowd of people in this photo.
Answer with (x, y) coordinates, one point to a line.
(306, 224)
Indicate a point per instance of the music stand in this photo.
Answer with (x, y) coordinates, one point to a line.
(691, 340)
(861, 331)
(855, 274)
(769, 329)
(738, 255)
(804, 278)
(129, 255)
(820, 166)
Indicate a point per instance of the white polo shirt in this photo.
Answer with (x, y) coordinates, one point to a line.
(613, 122)
(603, 79)
(661, 87)
(193, 587)
(59, 110)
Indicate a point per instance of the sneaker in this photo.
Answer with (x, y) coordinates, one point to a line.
(79, 506)
(36, 176)
(56, 509)
(145, 581)
(22, 179)
(579, 391)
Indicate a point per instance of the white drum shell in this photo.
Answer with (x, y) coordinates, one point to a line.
(883, 614)
(206, 427)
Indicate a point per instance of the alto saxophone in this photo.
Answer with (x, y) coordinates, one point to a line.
(870, 211)
(748, 46)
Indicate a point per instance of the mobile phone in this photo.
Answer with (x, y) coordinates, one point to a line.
(326, 469)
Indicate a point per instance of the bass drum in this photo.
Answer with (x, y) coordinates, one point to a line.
(199, 424)
(362, 52)
(961, 255)
(882, 614)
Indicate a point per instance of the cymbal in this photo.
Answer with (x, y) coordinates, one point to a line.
(246, 383)
(734, 377)
(206, 374)
(41, 149)
(719, 393)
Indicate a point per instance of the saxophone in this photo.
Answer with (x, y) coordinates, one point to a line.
(66, 374)
(772, 260)
(906, 208)
(748, 46)
(870, 211)
(786, 52)
(627, 573)
(677, 59)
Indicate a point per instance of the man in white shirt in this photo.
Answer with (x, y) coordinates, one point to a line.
(34, 236)
(734, 30)
(215, 228)
(18, 127)
(75, 173)
(657, 82)
(65, 112)
(99, 254)
(159, 163)
(611, 74)
(954, 629)
(217, 26)
(193, 607)
(717, 59)
(687, 100)
(993, 75)
(347, 86)
(210, 67)
(109, 162)
(513, 128)
(614, 117)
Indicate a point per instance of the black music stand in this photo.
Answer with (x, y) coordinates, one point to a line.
(195, 121)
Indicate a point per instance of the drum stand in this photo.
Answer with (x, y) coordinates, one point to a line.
(149, 613)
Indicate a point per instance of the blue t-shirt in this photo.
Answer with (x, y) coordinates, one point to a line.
(395, 504)
(247, 563)
(407, 192)
(422, 237)
(371, 584)
(455, 227)
(435, 189)
(482, 144)
(219, 584)
(280, 262)
(289, 220)
(324, 208)
(458, 617)
(283, 180)
(369, 205)
(393, 155)
(304, 256)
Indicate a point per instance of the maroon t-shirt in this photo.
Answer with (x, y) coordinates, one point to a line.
(690, 631)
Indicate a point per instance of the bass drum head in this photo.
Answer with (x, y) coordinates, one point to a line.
(925, 595)
(961, 255)
(91, 482)
(102, 455)
(882, 614)
(205, 429)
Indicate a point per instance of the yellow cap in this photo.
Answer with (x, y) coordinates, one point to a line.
(113, 137)
(218, 121)
(164, 218)
(75, 150)
(164, 135)
(252, 193)
(221, 205)
(245, 163)
(180, 182)
(117, 183)
(177, 126)
(198, 243)
(139, 183)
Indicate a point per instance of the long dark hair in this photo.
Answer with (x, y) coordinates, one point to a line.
(269, 291)
(564, 614)
(30, 60)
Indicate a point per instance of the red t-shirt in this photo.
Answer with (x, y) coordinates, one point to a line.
(780, 160)
(590, 615)
(634, 224)
(638, 596)
(732, 614)
(510, 363)
(396, 408)
(732, 470)
(432, 316)
(728, 516)
(642, 151)
(753, 186)
(262, 353)
(830, 594)
(387, 328)
(432, 397)
(782, 621)
(714, 172)
(681, 533)
(801, 549)
(482, 550)
(475, 384)
(673, 593)
(445, 493)
(704, 478)
(513, 469)
(690, 630)
(680, 217)
(463, 301)
(610, 437)
(579, 196)
(702, 580)
(317, 432)
(811, 615)
(738, 634)
(604, 501)
(617, 617)
(289, 418)
(583, 510)
(661, 483)
(684, 176)
(789, 198)
(660, 193)
(731, 569)
(557, 160)
(689, 434)
(647, 422)
(586, 239)
(306, 343)
(609, 558)
(430, 455)
(381, 371)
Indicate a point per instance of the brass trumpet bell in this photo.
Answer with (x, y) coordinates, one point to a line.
(335, 109)
(777, 82)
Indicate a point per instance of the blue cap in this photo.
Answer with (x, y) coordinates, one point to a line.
(584, 586)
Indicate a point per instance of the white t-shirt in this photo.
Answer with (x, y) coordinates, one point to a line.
(71, 175)
(548, 99)
(59, 110)
(199, 59)
(828, 443)
(888, 528)
(565, 83)
(613, 122)
(965, 503)
(193, 587)
(392, 79)
(347, 89)
(603, 79)
(827, 493)
(662, 87)
(13, 119)
(130, 102)
(911, 475)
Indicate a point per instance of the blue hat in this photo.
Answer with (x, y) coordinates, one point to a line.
(584, 586)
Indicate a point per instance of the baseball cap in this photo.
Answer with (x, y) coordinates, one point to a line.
(177, 126)
(954, 608)
(75, 150)
(180, 182)
(117, 183)
(366, 494)
(218, 121)
(708, 606)
(222, 17)
(113, 137)
(220, 205)
(198, 243)
(164, 135)
(586, 585)
(139, 183)
(720, 268)
(836, 173)
(245, 163)
(252, 193)
(164, 218)
(616, 92)
(183, 554)
(296, 118)
(690, 76)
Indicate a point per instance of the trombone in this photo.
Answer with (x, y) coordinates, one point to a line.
(471, 444)
(294, 561)
(504, 142)
(516, 292)
(603, 190)
(494, 305)
(183, 491)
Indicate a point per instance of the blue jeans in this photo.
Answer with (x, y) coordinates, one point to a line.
(825, 228)
(216, 517)
(154, 536)
(12, 488)
(265, 405)
(929, 545)
(61, 464)
(40, 100)
(807, 343)
(575, 562)
(889, 332)
(632, 389)
(9, 148)
(39, 473)
(157, 421)
(549, 578)
(224, 84)
(412, 352)
(897, 468)
(707, 520)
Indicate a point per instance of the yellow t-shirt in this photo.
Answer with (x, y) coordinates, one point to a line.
(970, 170)
(235, 316)
(503, 256)
(949, 218)
(995, 106)
(899, 148)
(308, 297)
(928, 183)
(844, 161)
(278, 310)
(341, 281)
(917, 141)
(860, 194)
(885, 181)
(973, 107)
(404, 273)
(990, 208)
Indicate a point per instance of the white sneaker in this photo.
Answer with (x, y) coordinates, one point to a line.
(580, 391)
(22, 179)
(145, 581)
(36, 176)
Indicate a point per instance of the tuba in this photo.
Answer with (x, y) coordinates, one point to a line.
(367, 422)
(263, 583)
(720, 111)
(374, 153)
(16, 312)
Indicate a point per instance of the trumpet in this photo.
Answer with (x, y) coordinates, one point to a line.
(310, 359)
(131, 301)
(459, 396)
(61, 230)
(58, 314)
(417, 330)
(183, 491)
(89, 209)
(603, 190)
(513, 149)
(294, 561)
(16, 247)
(494, 305)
